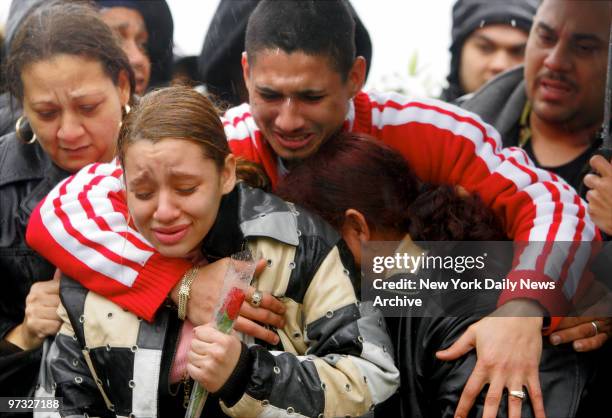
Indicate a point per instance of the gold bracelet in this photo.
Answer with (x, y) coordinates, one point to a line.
(185, 290)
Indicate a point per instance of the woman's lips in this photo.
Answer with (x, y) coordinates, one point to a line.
(170, 235)
(74, 152)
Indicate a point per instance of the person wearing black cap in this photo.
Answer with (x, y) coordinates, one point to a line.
(488, 37)
(145, 30)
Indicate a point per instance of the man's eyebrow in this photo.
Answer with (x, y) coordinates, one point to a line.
(305, 92)
(575, 36)
(268, 90)
(544, 26)
(483, 37)
(587, 37)
(311, 92)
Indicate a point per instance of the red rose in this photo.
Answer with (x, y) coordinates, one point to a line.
(233, 302)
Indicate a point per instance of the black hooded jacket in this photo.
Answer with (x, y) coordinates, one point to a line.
(160, 26)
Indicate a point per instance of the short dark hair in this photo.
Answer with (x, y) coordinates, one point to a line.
(323, 28)
(62, 27)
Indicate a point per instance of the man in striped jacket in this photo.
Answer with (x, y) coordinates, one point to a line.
(304, 85)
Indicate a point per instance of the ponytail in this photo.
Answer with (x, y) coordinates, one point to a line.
(252, 174)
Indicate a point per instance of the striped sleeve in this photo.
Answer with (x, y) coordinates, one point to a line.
(246, 141)
(449, 145)
(82, 227)
(241, 130)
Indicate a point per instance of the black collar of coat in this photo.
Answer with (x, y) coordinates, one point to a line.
(246, 213)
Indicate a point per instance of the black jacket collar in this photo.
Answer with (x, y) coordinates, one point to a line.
(246, 213)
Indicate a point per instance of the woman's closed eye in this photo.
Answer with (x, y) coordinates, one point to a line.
(143, 195)
(186, 190)
(88, 108)
(46, 114)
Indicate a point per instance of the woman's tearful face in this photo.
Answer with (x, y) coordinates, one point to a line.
(173, 192)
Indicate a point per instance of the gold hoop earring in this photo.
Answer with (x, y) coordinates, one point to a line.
(19, 134)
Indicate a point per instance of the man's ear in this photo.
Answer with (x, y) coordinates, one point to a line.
(228, 174)
(355, 227)
(245, 69)
(356, 76)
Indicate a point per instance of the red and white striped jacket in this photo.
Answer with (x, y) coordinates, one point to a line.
(82, 226)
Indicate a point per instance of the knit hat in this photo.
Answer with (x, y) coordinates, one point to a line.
(469, 15)
(158, 20)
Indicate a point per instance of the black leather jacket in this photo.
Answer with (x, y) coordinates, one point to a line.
(10, 111)
(26, 176)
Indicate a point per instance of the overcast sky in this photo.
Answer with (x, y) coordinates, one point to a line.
(398, 28)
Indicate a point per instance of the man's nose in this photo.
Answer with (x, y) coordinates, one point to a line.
(500, 62)
(558, 59)
(289, 118)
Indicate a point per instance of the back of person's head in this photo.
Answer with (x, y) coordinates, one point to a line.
(354, 171)
(470, 15)
(319, 28)
(64, 27)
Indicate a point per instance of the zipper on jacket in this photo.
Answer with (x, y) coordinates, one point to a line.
(174, 330)
(186, 390)
(174, 327)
